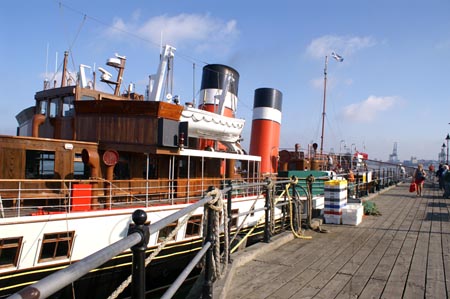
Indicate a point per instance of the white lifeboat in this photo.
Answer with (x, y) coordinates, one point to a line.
(205, 124)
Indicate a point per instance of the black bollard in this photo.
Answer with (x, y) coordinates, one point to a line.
(267, 212)
(207, 292)
(229, 202)
(138, 268)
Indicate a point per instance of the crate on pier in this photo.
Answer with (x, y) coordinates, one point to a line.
(352, 214)
(335, 200)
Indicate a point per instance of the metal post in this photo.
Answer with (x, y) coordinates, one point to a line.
(447, 139)
(207, 292)
(229, 195)
(294, 209)
(267, 213)
(324, 101)
(138, 268)
(357, 184)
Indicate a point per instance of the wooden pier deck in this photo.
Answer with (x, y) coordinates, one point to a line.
(404, 253)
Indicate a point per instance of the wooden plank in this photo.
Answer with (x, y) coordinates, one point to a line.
(384, 257)
(363, 273)
(328, 274)
(435, 284)
(415, 285)
(445, 233)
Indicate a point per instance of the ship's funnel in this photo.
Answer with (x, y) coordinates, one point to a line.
(265, 138)
(219, 89)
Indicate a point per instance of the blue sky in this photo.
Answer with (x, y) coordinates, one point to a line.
(393, 85)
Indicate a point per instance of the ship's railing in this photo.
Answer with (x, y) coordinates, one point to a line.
(30, 197)
(139, 234)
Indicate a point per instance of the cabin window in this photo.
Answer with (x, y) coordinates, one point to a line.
(234, 218)
(9, 251)
(56, 246)
(54, 108)
(39, 164)
(87, 98)
(152, 168)
(80, 170)
(122, 168)
(182, 167)
(43, 107)
(165, 232)
(194, 226)
(121, 171)
(68, 108)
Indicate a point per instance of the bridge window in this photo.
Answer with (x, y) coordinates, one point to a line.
(39, 164)
(80, 170)
(165, 232)
(68, 108)
(56, 246)
(43, 107)
(9, 251)
(194, 226)
(54, 107)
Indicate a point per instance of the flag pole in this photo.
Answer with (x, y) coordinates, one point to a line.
(324, 103)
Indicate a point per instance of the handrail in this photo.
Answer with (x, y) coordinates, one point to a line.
(54, 282)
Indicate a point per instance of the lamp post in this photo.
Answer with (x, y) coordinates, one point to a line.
(337, 58)
(447, 139)
(442, 158)
(340, 151)
(351, 155)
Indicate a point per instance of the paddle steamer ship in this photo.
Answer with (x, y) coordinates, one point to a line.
(83, 160)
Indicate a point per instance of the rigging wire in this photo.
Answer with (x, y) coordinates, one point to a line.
(131, 34)
(188, 58)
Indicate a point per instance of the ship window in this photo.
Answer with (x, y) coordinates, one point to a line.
(9, 251)
(54, 108)
(39, 164)
(87, 98)
(68, 109)
(43, 107)
(152, 168)
(121, 171)
(164, 232)
(194, 225)
(234, 218)
(56, 246)
(80, 170)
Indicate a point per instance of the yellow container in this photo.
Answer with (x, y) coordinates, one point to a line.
(336, 183)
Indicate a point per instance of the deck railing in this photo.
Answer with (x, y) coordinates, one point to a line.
(20, 198)
(138, 237)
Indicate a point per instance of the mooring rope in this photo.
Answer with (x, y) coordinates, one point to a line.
(161, 246)
(217, 206)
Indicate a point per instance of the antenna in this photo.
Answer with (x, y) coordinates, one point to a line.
(46, 62)
(56, 63)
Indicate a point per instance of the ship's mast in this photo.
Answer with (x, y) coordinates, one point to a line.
(324, 103)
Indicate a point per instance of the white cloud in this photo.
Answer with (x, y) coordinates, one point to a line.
(367, 110)
(202, 32)
(343, 45)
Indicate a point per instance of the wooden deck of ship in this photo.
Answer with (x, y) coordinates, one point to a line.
(404, 253)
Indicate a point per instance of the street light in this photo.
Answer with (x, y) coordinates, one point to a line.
(340, 151)
(443, 153)
(339, 59)
(447, 139)
(351, 155)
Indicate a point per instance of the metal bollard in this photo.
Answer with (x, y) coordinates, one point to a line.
(207, 291)
(229, 202)
(138, 268)
(267, 213)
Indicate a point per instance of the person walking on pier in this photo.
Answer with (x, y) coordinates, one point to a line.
(418, 178)
(446, 181)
